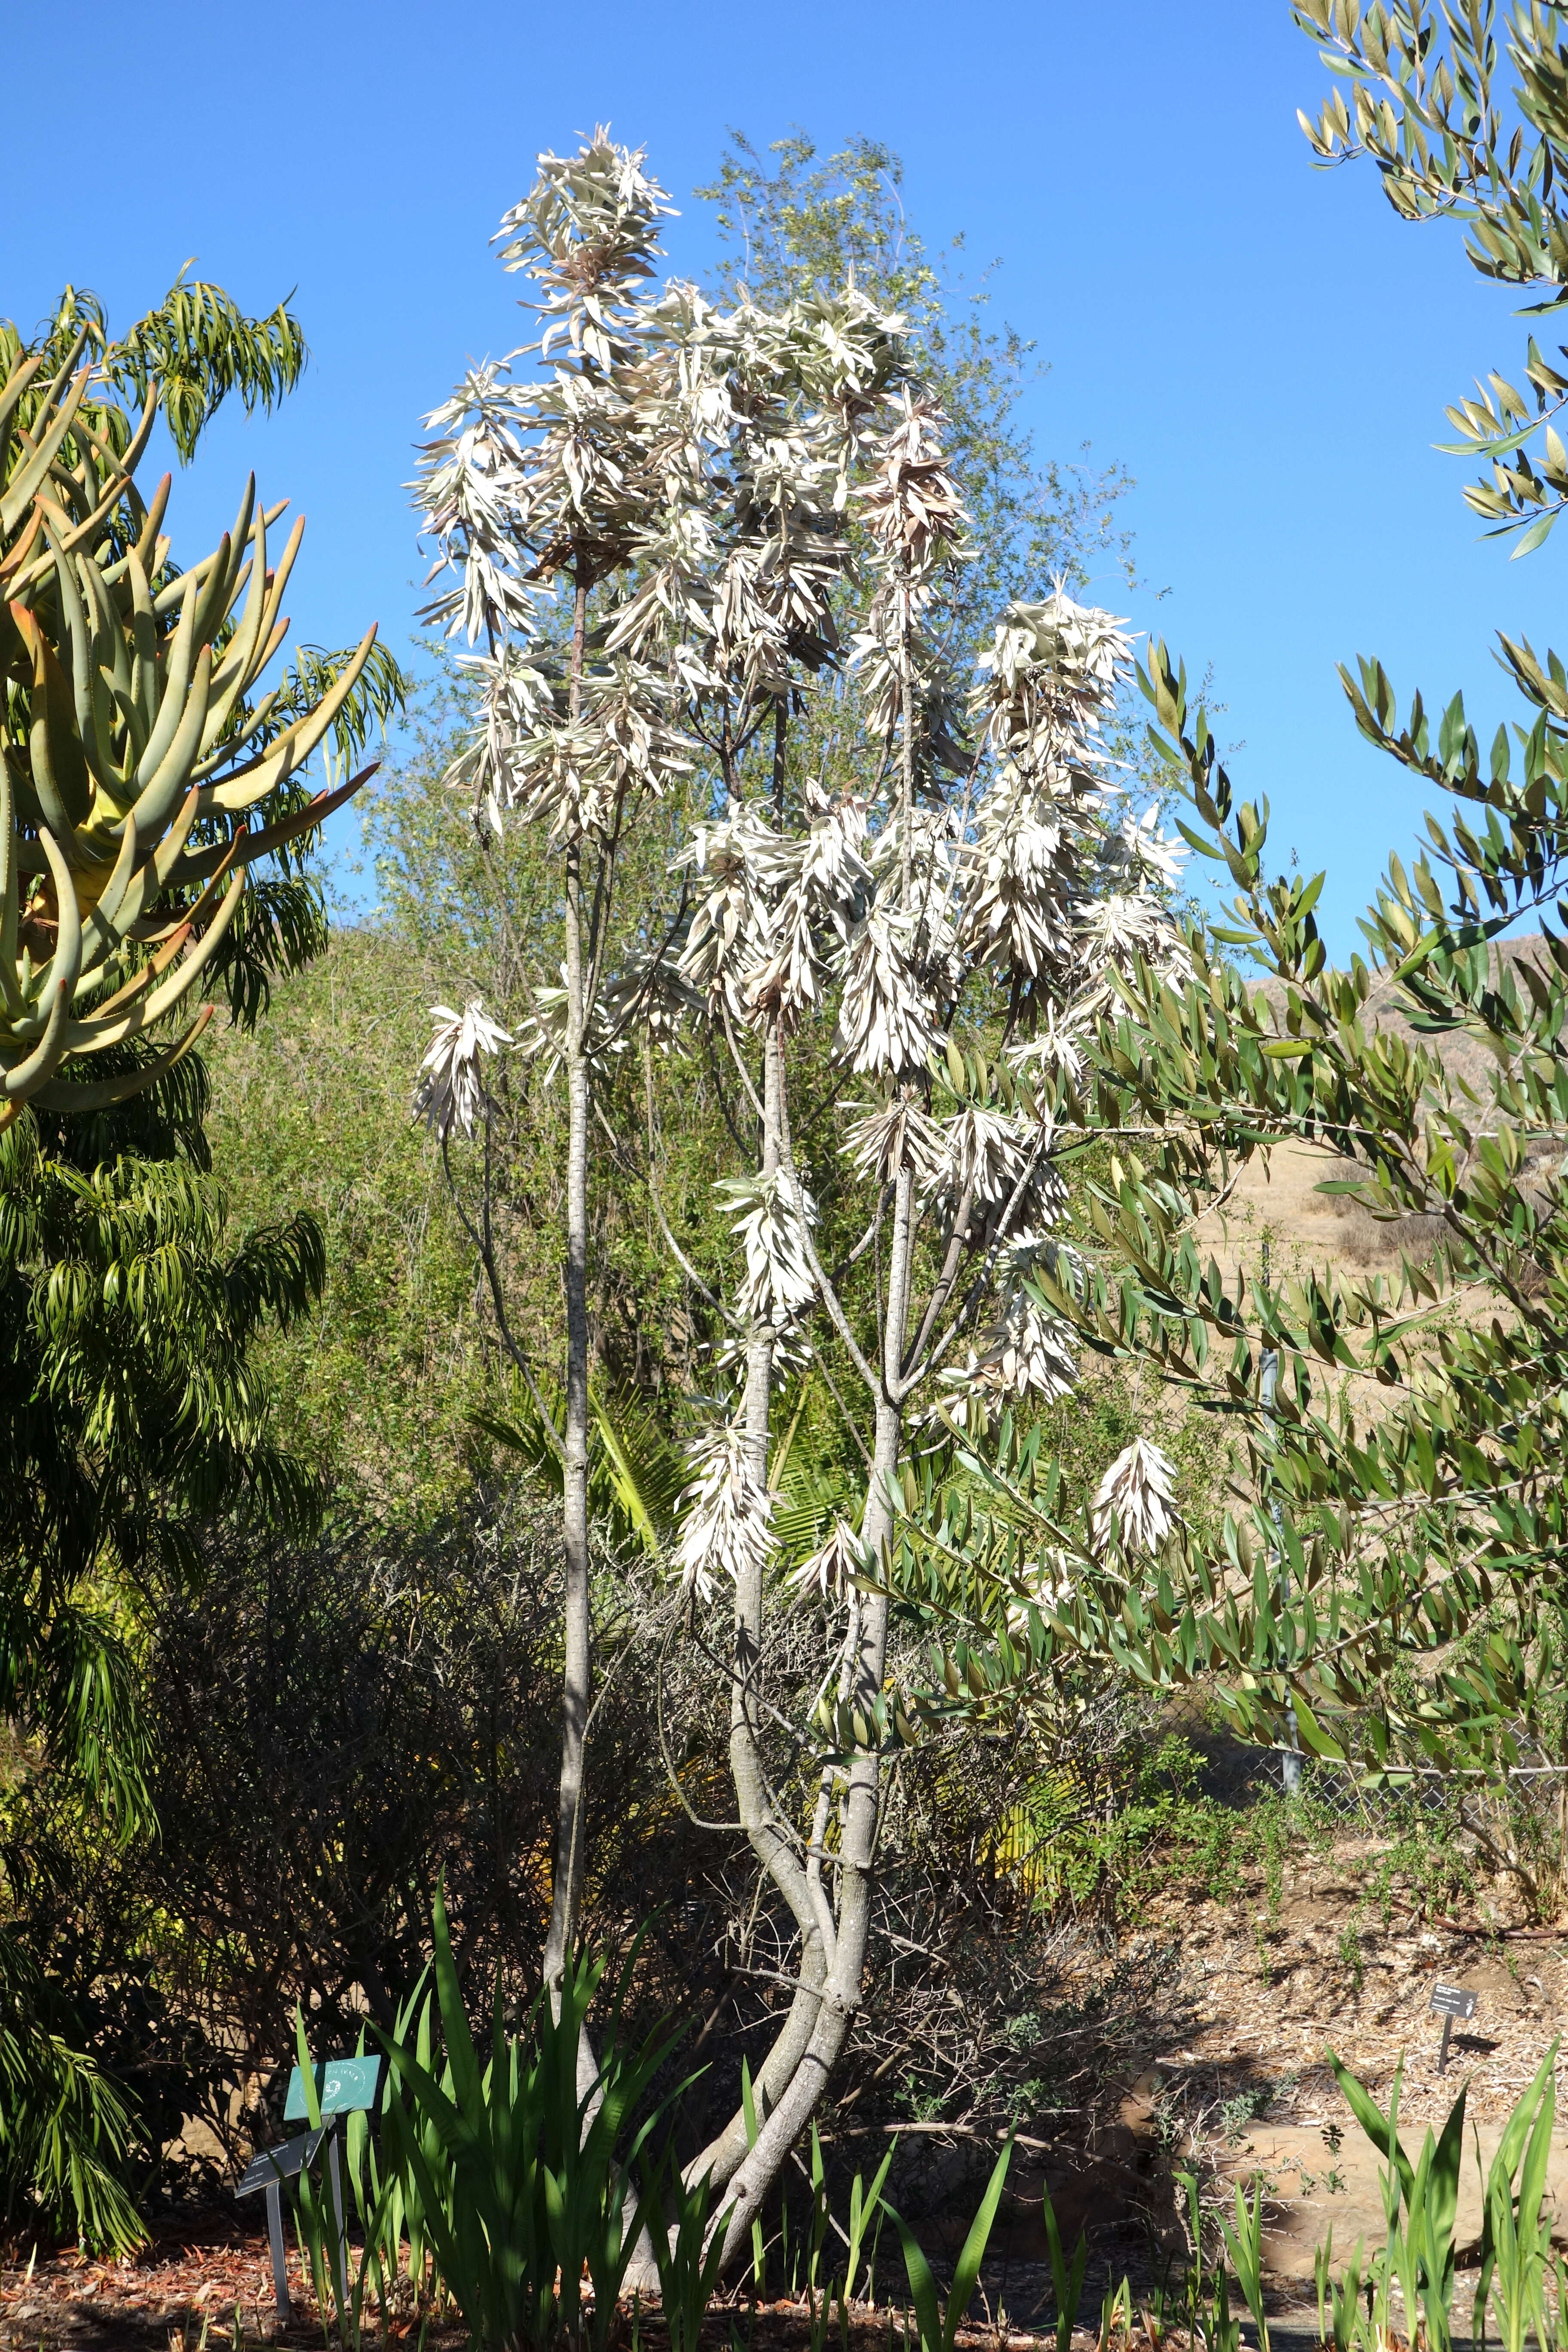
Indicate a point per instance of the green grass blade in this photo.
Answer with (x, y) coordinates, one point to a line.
(461, 2055)
(1447, 2157)
(1381, 2130)
(922, 2286)
(307, 2072)
(966, 2270)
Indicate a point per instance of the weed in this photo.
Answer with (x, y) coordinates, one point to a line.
(922, 2105)
(1024, 2099)
(1236, 2114)
(1162, 1833)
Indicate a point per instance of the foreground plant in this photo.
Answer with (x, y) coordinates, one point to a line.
(1402, 1491)
(1403, 1502)
(1424, 96)
(133, 754)
(939, 2324)
(1421, 2203)
(521, 2184)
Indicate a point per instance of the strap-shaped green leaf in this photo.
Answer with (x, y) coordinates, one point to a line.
(922, 2287)
(1379, 2129)
(966, 2270)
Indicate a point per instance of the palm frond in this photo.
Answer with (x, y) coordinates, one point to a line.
(636, 1470)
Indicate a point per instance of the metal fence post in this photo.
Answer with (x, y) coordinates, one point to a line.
(1290, 1761)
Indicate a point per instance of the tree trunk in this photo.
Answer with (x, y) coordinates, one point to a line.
(802, 2088)
(770, 1838)
(570, 1857)
(801, 2060)
(802, 2092)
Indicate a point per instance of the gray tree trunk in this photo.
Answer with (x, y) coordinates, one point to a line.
(576, 1680)
(818, 2024)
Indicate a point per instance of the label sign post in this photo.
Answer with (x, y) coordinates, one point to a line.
(1450, 2002)
(270, 2171)
(344, 2086)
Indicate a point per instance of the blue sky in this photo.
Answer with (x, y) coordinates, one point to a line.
(1264, 346)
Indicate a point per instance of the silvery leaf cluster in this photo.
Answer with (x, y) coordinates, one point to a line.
(452, 1089)
(1134, 1504)
(831, 1570)
(1026, 1351)
(532, 483)
(727, 1522)
(772, 1219)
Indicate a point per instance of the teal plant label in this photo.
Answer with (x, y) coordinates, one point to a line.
(342, 2085)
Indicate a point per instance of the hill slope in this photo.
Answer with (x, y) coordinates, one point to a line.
(313, 1112)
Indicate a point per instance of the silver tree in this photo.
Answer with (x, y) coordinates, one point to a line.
(946, 914)
(763, 543)
(540, 489)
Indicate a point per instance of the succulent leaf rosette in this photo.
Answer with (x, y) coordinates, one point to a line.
(140, 773)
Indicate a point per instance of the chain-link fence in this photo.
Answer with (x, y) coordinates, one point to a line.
(1235, 1769)
(1508, 1826)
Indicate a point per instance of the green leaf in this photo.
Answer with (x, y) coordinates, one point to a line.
(1373, 2121)
(966, 2270)
(922, 2287)
(1540, 531)
(307, 2070)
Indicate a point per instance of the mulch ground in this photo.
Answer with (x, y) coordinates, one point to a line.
(1257, 1992)
(1248, 1997)
(214, 2287)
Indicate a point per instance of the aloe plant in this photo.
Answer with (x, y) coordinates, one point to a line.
(319, 2215)
(1221, 2332)
(759, 2245)
(1116, 2314)
(133, 751)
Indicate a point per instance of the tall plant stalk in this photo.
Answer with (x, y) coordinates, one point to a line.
(532, 483)
(577, 1662)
